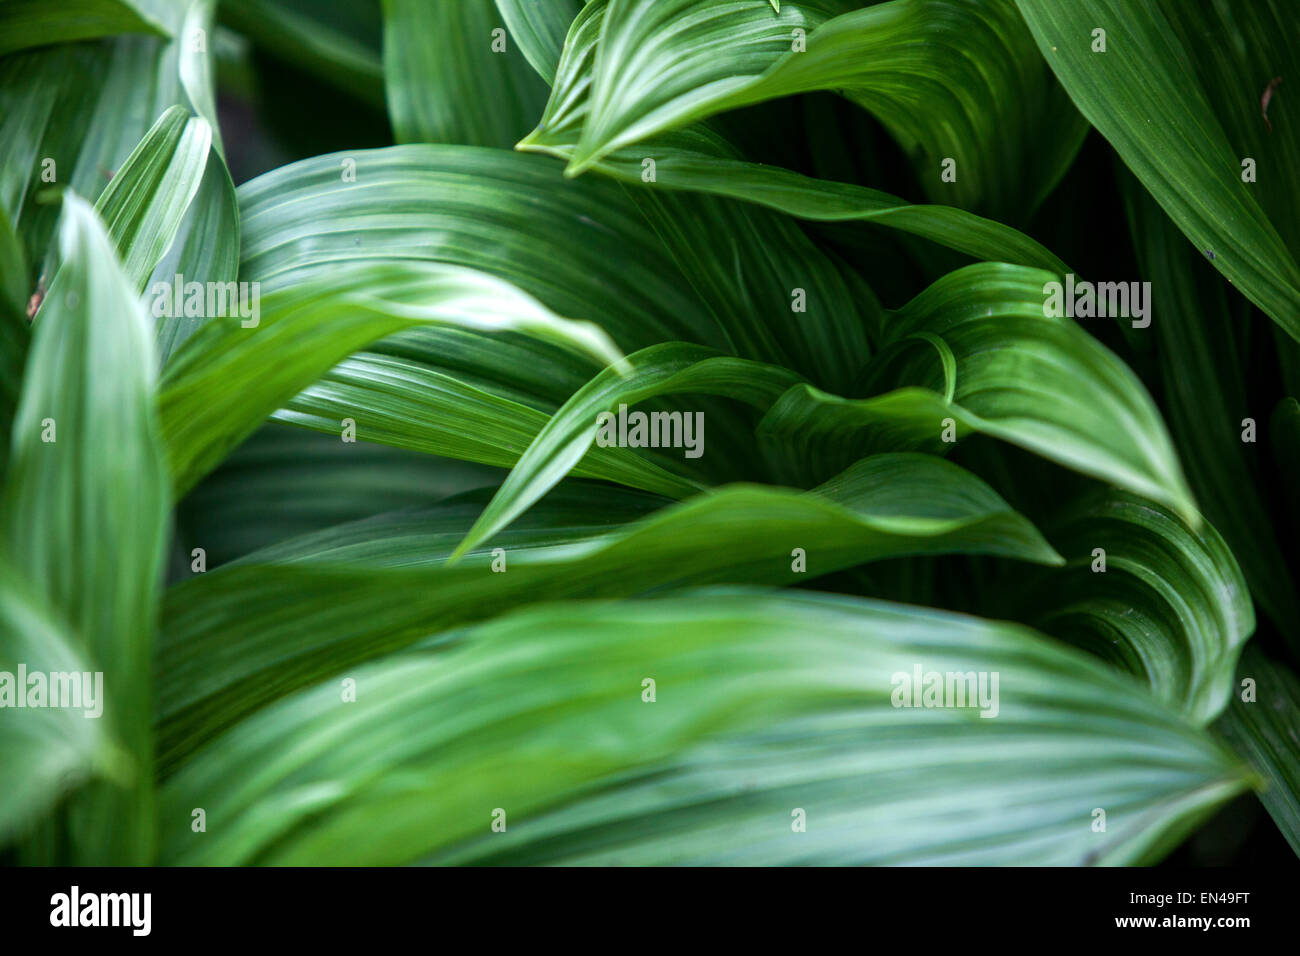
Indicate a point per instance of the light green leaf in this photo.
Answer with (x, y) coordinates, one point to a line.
(759, 699)
(1168, 604)
(389, 587)
(87, 467)
(490, 210)
(1022, 376)
(144, 204)
(32, 23)
(539, 30)
(44, 751)
(951, 79)
(236, 371)
(669, 369)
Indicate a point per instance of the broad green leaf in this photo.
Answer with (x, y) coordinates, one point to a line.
(406, 404)
(146, 201)
(951, 79)
(669, 369)
(1147, 594)
(1197, 325)
(78, 111)
(44, 751)
(235, 371)
(1261, 725)
(539, 30)
(87, 468)
(496, 212)
(579, 541)
(451, 74)
(33, 23)
(1021, 376)
(70, 116)
(491, 210)
(762, 703)
(698, 160)
(1177, 93)
(777, 297)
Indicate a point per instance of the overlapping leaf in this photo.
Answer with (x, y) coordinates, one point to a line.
(1147, 594)
(977, 352)
(1261, 725)
(236, 371)
(1178, 92)
(697, 159)
(578, 542)
(762, 704)
(452, 76)
(32, 23)
(951, 79)
(87, 468)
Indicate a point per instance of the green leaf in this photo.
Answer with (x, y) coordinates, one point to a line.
(235, 371)
(1022, 376)
(777, 297)
(580, 541)
(146, 201)
(207, 245)
(539, 30)
(669, 369)
(950, 79)
(763, 703)
(44, 751)
(1197, 333)
(70, 117)
(406, 404)
(696, 159)
(450, 77)
(32, 23)
(1263, 730)
(1177, 94)
(87, 467)
(1158, 600)
(491, 210)
(284, 482)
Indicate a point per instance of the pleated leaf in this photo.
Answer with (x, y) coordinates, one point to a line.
(764, 707)
(451, 74)
(1261, 725)
(87, 468)
(235, 371)
(951, 79)
(1149, 595)
(31, 23)
(388, 586)
(1178, 93)
(977, 352)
